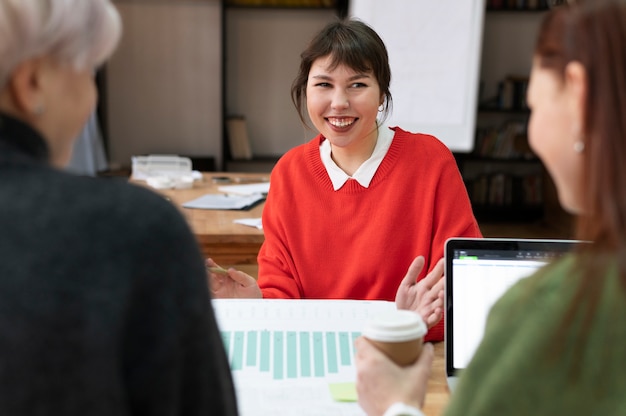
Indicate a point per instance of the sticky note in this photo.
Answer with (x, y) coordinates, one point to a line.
(343, 392)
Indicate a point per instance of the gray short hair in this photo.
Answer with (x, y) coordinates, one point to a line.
(81, 33)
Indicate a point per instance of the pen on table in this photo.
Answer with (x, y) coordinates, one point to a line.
(217, 270)
(250, 180)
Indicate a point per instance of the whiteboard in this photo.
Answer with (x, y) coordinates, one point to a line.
(434, 51)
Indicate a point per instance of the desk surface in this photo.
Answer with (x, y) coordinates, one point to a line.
(234, 244)
(438, 394)
(227, 243)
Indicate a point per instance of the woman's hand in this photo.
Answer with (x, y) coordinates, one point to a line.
(381, 383)
(424, 297)
(231, 284)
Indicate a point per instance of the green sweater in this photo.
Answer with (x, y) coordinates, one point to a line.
(526, 363)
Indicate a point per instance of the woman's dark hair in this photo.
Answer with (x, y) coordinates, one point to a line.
(348, 42)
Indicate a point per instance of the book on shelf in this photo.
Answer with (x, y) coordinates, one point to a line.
(533, 189)
(512, 93)
(506, 189)
(503, 142)
(238, 140)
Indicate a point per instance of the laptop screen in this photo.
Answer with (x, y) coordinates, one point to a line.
(478, 272)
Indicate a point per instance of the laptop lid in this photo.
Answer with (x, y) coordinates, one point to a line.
(478, 271)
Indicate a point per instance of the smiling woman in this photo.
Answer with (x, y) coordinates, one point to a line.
(359, 195)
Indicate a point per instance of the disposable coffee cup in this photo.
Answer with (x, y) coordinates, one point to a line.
(399, 334)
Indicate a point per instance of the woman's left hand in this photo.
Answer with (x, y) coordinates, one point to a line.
(424, 297)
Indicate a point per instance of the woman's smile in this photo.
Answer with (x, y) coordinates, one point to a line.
(341, 122)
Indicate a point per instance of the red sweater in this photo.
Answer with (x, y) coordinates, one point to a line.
(356, 242)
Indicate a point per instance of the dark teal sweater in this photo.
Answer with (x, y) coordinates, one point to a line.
(104, 305)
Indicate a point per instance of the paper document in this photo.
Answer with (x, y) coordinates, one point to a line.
(246, 189)
(250, 222)
(225, 201)
(285, 354)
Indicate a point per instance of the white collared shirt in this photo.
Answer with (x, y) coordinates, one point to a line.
(366, 171)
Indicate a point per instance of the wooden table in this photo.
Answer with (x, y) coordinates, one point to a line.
(238, 245)
(229, 244)
(437, 395)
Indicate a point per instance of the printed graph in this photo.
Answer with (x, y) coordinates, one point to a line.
(285, 354)
(290, 354)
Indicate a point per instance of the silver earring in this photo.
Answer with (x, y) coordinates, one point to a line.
(39, 109)
(579, 146)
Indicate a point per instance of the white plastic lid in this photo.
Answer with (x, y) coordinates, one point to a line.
(395, 326)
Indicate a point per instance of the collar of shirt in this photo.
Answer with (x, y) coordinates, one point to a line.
(19, 136)
(366, 171)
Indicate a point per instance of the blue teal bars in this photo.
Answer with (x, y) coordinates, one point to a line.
(251, 356)
(318, 353)
(344, 348)
(305, 354)
(236, 362)
(265, 351)
(292, 355)
(355, 335)
(331, 352)
(278, 355)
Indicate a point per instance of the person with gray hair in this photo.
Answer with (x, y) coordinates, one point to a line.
(104, 303)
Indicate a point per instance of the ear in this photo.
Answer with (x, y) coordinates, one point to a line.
(577, 88)
(25, 88)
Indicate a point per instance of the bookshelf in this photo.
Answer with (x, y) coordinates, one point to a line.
(506, 182)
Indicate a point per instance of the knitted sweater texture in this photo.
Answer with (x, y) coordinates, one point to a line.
(104, 304)
(356, 242)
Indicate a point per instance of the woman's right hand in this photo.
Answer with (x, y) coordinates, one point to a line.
(380, 382)
(232, 284)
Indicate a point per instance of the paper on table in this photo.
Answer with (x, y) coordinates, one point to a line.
(285, 355)
(246, 189)
(250, 222)
(224, 201)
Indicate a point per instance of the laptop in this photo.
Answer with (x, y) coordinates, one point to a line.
(478, 271)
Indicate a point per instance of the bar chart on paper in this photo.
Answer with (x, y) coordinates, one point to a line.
(290, 354)
(285, 353)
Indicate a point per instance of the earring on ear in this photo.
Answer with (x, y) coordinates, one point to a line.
(579, 146)
(39, 109)
(381, 108)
